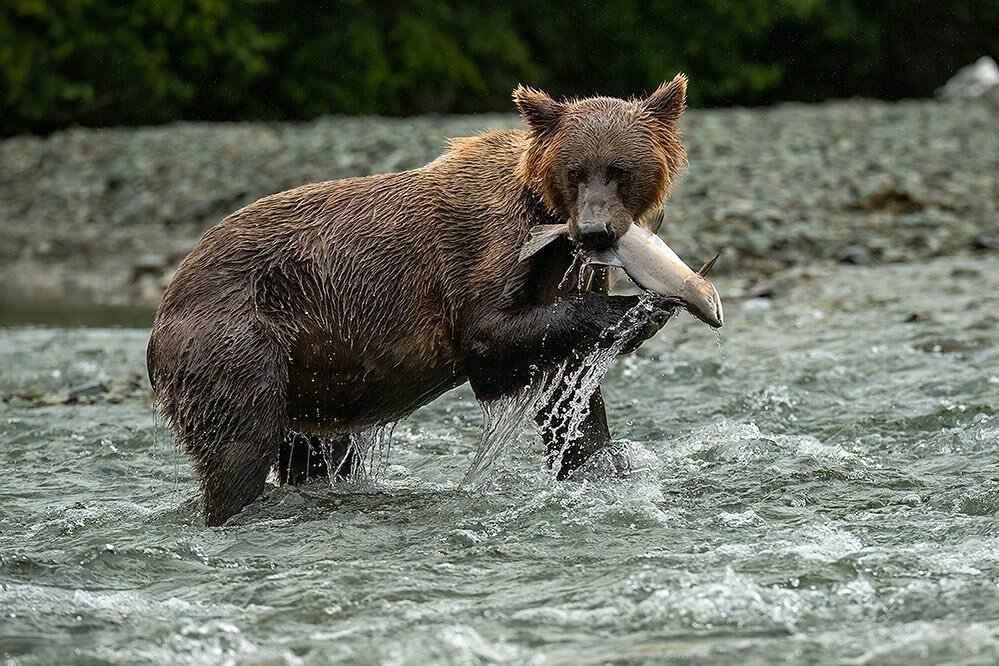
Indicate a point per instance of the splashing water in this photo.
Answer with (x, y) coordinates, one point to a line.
(501, 420)
(831, 499)
(559, 398)
(367, 454)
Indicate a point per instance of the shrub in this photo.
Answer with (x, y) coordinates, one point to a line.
(102, 63)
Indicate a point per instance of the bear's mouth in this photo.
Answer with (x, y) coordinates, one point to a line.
(650, 263)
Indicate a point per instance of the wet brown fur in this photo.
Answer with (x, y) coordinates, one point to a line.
(345, 304)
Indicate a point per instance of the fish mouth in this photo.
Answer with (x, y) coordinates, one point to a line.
(654, 266)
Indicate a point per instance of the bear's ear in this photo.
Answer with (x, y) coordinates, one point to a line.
(669, 100)
(540, 112)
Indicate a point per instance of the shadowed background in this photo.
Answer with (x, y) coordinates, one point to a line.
(97, 63)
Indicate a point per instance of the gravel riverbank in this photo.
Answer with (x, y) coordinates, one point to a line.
(101, 217)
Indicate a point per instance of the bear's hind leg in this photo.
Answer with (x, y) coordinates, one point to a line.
(225, 400)
(301, 458)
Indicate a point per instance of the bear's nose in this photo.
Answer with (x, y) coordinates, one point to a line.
(596, 234)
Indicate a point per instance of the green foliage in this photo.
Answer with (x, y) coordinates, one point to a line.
(96, 62)
(631, 47)
(356, 57)
(99, 62)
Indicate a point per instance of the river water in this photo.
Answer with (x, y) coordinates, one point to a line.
(821, 487)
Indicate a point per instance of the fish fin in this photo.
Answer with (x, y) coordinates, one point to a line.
(653, 219)
(540, 236)
(709, 263)
(606, 257)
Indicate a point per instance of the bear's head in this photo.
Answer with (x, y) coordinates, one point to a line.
(601, 162)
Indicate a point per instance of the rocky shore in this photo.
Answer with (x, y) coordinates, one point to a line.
(102, 217)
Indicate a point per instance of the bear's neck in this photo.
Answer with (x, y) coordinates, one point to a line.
(536, 209)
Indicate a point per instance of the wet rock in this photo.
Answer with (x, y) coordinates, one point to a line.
(889, 197)
(89, 390)
(985, 241)
(975, 80)
(966, 272)
(86, 387)
(147, 264)
(987, 322)
(59, 398)
(854, 254)
(762, 289)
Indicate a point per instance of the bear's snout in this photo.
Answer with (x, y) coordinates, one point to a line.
(596, 234)
(601, 217)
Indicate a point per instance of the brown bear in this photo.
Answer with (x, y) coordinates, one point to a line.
(337, 306)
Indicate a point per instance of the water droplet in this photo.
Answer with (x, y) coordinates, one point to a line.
(721, 349)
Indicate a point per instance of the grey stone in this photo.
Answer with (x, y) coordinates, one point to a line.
(975, 80)
(85, 387)
(985, 241)
(854, 254)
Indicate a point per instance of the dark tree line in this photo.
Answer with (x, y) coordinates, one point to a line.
(95, 62)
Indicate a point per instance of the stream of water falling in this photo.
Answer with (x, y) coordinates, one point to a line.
(559, 397)
(369, 453)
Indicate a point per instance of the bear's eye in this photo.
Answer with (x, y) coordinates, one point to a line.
(616, 173)
(575, 177)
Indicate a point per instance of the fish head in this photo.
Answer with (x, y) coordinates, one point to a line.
(654, 266)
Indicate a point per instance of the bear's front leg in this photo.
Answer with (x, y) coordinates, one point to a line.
(565, 453)
(504, 350)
